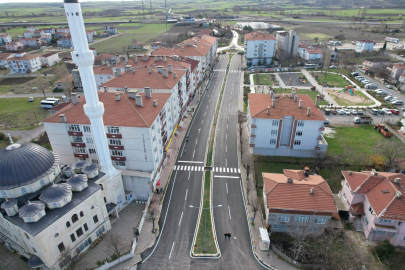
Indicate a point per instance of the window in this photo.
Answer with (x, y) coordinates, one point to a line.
(302, 219)
(79, 150)
(380, 232)
(61, 247)
(280, 227)
(344, 196)
(42, 183)
(33, 249)
(94, 161)
(84, 244)
(117, 153)
(115, 142)
(79, 232)
(320, 220)
(72, 237)
(347, 184)
(67, 224)
(74, 128)
(56, 235)
(95, 219)
(300, 123)
(114, 130)
(283, 218)
(274, 132)
(75, 218)
(298, 133)
(275, 123)
(365, 220)
(273, 141)
(371, 210)
(297, 142)
(85, 227)
(92, 207)
(81, 214)
(92, 151)
(385, 220)
(86, 129)
(89, 140)
(100, 231)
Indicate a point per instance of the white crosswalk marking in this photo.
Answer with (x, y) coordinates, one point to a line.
(192, 168)
(231, 170)
(238, 170)
(201, 168)
(174, 167)
(227, 169)
(220, 169)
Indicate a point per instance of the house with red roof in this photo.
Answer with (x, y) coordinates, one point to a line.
(23, 63)
(14, 46)
(5, 38)
(260, 48)
(312, 54)
(396, 70)
(297, 201)
(285, 125)
(375, 203)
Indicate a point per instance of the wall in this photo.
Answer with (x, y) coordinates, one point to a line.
(60, 141)
(291, 224)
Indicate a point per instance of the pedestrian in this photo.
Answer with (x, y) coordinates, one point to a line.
(157, 191)
(229, 236)
(226, 235)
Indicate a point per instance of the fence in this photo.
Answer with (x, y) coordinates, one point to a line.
(395, 133)
(121, 259)
(288, 259)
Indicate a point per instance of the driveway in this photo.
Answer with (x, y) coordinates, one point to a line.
(25, 135)
(234, 43)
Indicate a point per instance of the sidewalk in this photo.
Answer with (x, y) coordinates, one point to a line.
(312, 80)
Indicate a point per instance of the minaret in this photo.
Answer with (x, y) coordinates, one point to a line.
(93, 108)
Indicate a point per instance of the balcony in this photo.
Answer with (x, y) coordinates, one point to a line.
(116, 147)
(75, 133)
(187, 73)
(252, 135)
(319, 138)
(180, 85)
(253, 126)
(188, 82)
(114, 136)
(163, 126)
(188, 87)
(162, 116)
(118, 158)
(81, 155)
(321, 129)
(251, 145)
(78, 144)
(317, 148)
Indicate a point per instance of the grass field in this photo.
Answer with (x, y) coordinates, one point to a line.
(18, 113)
(332, 80)
(266, 79)
(6, 84)
(320, 36)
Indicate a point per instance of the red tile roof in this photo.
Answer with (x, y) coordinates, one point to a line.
(284, 105)
(142, 78)
(297, 195)
(205, 32)
(194, 63)
(399, 65)
(103, 56)
(150, 61)
(314, 50)
(358, 208)
(49, 54)
(103, 70)
(24, 57)
(122, 113)
(3, 56)
(60, 106)
(196, 46)
(259, 35)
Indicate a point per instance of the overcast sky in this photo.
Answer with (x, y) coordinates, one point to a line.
(53, 1)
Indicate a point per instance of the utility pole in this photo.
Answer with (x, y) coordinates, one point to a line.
(143, 11)
(151, 10)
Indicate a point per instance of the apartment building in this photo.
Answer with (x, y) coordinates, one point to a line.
(396, 70)
(50, 59)
(23, 63)
(14, 46)
(372, 64)
(312, 55)
(29, 42)
(375, 204)
(65, 42)
(32, 28)
(364, 45)
(285, 125)
(5, 39)
(138, 127)
(298, 202)
(260, 48)
(3, 57)
(287, 42)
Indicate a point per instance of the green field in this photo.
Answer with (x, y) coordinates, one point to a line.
(332, 80)
(18, 113)
(311, 94)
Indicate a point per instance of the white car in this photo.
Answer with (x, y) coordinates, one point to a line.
(381, 93)
(365, 82)
(347, 111)
(341, 112)
(30, 99)
(389, 86)
(353, 111)
(387, 111)
(388, 98)
(376, 90)
(333, 67)
(397, 102)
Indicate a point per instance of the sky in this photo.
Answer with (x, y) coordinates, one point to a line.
(54, 1)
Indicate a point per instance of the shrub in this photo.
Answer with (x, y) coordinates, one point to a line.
(114, 257)
(2, 136)
(384, 250)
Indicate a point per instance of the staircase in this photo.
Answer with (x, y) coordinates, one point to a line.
(358, 225)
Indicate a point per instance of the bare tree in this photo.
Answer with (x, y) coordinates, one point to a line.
(392, 150)
(255, 205)
(248, 166)
(43, 83)
(248, 188)
(65, 79)
(69, 258)
(282, 56)
(115, 243)
(152, 215)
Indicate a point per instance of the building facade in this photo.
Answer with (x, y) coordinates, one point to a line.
(287, 42)
(5, 39)
(50, 59)
(29, 42)
(312, 55)
(23, 63)
(14, 46)
(260, 48)
(285, 125)
(396, 70)
(364, 45)
(375, 63)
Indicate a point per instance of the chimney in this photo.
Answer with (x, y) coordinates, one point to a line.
(126, 89)
(308, 111)
(312, 191)
(169, 67)
(136, 59)
(350, 173)
(164, 58)
(300, 104)
(148, 92)
(293, 94)
(74, 98)
(317, 101)
(165, 72)
(175, 75)
(272, 102)
(295, 98)
(118, 72)
(290, 180)
(397, 180)
(139, 65)
(105, 89)
(155, 58)
(115, 73)
(133, 70)
(138, 100)
(155, 103)
(150, 70)
(398, 194)
(117, 59)
(108, 65)
(62, 118)
(128, 68)
(160, 69)
(268, 110)
(117, 97)
(154, 66)
(374, 172)
(132, 94)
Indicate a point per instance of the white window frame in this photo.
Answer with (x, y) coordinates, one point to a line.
(275, 122)
(95, 161)
(113, 130)
(120, 163)
(320, 220)
(283, 218)
(274, 132)
(273, 141)
(89, 140)
(86, 129)
(385, 220)
(300, 123)
(297, 142)
(280, 227)
(115, 142)
(365, 220)
(92, 151)
(302, 218)
(79, 150)
(298, 133)
(74, 128)
(117, 153)
(380, 232)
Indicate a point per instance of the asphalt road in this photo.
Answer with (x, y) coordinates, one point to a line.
(348, 119)
(178, 221)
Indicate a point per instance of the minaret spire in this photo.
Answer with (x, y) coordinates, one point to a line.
(84, 59)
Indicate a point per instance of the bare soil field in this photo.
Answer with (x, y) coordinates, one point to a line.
(13, 81)
(346, 99)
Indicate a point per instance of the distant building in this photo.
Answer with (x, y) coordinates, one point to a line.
(29, 42)
(59, 85)
(156, 45)
(103, 57)
(138, 46)
(301, 47)
(65, 42)
(38, 33)
(287, 42)
(260, 48)
(375, 63)
(49, 30)
(208, 32)
(77, 81)
(396, 70)
(111, 30)
(285, 125)
(14, 46)
(364, 45)
(65, 30)
(3, 62)
(23, 63)
(32, 28)
(50, 59)
(5, 39)
(28, 34)
(312, 55)
(90, 34)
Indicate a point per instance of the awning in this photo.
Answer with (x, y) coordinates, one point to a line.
(35, 261)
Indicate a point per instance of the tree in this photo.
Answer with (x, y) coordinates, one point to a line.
(385, 46)
(248, 188)
(340, 37)
(248, 166)
(316, 39)
(247, 28)
(115, 243)
(255, 205)
(282, 56)
(392, 150)
(65, 79)
(152, 215)
(43, 83)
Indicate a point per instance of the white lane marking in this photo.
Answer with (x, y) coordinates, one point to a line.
(226, 184)
(174, 167)
(226, 162)
(207, 106)
(220, 169)
(193, 153)
(202, 122)
(238, 170)
(226, 136)
(188, 168)
(226, 126)
(225, 176)
(229, 210)
(186, 195)
(226, 148)
(171, 251)
(189, 175)
(227, 169)
(181, 218)
(196, 141)
(192, 168)
(181, 168)
(190, 161)
(205, 113)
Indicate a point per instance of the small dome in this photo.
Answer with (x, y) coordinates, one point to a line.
(35, 262)
(31, 209)
(55, 193)
(8, 203)
(69, 171)
(24, 164)
(77, 180)
(80, 165)
(91, 171)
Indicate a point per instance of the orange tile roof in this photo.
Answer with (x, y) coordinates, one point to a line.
(142, 78)
(176, 64)
(196, 46)
(358, 208)
(103, 56)
(314, 50)
(399, 66)
(259, 35)
(284, 105)
(123, 113)
(103, 70)
(25, 57)
(3, 56)
(297, 195)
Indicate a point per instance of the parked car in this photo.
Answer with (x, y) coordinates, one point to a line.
(359, 77)
(326, 122)
(389, 86)
(374, 111)
(347, 111)
(333, 67)
(387, 111)
(354, 74)
(341, 112)
(370, 86)
(397, 102)
(359, 112)
(353, 111)
(365, 81)
(388, 98)
(381, 93)
(395, 111)
(333, 111)
(381, 111)
(30, 99)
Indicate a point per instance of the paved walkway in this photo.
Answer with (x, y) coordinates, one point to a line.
(319, 88)
(11, 261)
(25, 135)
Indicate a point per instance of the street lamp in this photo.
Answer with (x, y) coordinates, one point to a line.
(205, 223)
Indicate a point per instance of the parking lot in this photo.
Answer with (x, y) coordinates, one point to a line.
(345, 119)
(291, 79)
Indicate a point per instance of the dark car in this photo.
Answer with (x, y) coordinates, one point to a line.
(333, 111)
